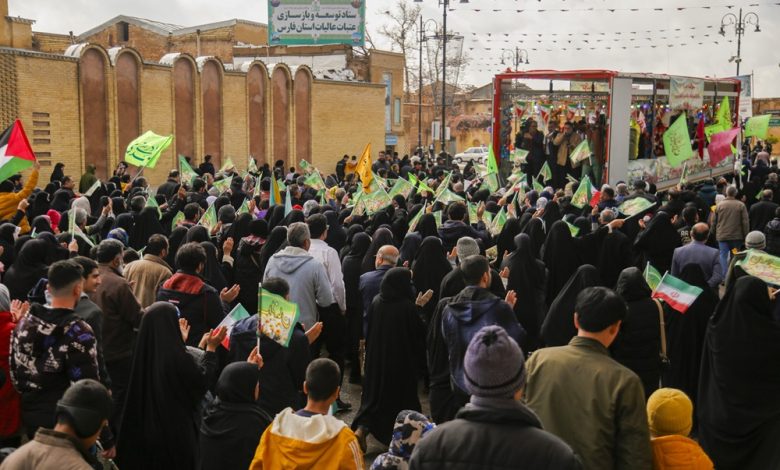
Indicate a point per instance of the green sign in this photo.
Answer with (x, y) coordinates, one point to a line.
(762, 265)
(316, 22)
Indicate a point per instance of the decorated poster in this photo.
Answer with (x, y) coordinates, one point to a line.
(277, 317)
(686, 93)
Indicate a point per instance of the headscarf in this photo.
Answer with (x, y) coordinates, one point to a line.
(560, 257)
(396, 286)
(410, 427)
(28, 268)
(165, 374)
(535, 231)
(174, 242)
(351, 232)
(275, 216)
(337, 235)
(294, 216)
(146, 224)
(657, 242)
(430, 267)
(39, 206)
(41, 224)
(7, 232)
(212, 272)
(61, 200)
(409, 248)
(739, 385)
(381, 237)
(527, 275)
(558, 327)
(426, 226)
(197, 233)
(506, 238)
(124, 221)
(276, 239)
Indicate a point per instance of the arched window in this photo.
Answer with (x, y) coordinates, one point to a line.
(92, 81)
(302, 87)
(184, 102)
(256, 80)
(127, 100)
(281, 115)
(211, 91)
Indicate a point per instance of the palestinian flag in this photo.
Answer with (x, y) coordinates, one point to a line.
(236, 315)
(677, 293)
(15, 151)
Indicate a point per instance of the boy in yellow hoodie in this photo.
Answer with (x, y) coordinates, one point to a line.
(669, 415)
(310, 438)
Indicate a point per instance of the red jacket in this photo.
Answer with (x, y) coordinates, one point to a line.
(9, 398)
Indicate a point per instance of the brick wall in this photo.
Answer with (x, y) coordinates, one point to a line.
(157, 116)
(52, 43)
(150, 45)
(339, 128)
(234, 119)
(48, 96)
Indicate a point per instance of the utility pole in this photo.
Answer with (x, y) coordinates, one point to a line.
(740, 23)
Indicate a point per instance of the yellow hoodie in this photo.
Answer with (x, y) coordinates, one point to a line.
(297, 442)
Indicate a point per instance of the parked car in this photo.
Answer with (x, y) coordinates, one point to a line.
(472, 154)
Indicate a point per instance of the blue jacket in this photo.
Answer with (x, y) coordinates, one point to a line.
(465, 315)
(699, 253)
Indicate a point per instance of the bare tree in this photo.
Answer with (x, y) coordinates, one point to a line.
(401, 32)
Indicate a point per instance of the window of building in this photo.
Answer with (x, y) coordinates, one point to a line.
(123, 31)
(397, 111)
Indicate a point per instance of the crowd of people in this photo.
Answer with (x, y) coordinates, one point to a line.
(536, 342)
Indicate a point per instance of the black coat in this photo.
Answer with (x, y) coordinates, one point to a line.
(498, 438)
(638, 344)
(761, 213)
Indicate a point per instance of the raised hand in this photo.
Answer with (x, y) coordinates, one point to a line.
(511, 298)
(255, 358)
(314, 332)
(215, 338)
(184, 327)
(229, 295)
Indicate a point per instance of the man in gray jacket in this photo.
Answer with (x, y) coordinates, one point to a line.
(309, 285)
(731, 226)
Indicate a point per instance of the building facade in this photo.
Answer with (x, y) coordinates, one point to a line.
(83, 98)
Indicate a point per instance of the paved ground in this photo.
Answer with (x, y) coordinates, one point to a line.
(351, 394)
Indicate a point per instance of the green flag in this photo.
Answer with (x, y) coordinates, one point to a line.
(581, 197)
(92, 189)
(762, 265)
(448, 196)
(634, 206)
(314, 179)
(251, 166)
(306, 167)
(223, 184)
(684, 173)
(209, 218)
(416, 218)
(278, 317)
(516, 177)
(758, 126)
(176, 219)
(473, 219)
(581, 152)
(520, 156)
(437, 218)
(492, 164)
(498, 222)
(545, 172)
(72, 222)
(677, 142)
(152, 202)
(652, 276)
(420, 184)
(401, 187)
(145, 150)
(538, 186)
(573, 229)
(376, 201)
(445, 184)
(287, 202)
(185, 170)
(491, 181)
(723, 116)
(571, 179)
(227, 165)
(256, 191)
(244, 209)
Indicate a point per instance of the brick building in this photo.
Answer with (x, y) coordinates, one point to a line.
(217, 88)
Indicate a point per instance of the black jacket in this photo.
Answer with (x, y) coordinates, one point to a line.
(452, 230)
(772, 232)
(197, 302)
(506, 436)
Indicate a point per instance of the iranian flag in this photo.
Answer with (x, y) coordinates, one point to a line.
(236, 315)
(676, 292)
(15, 151)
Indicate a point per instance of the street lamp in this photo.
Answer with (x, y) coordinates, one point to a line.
(740, 23)
(516, 56)
(422, 29)
(445, 5)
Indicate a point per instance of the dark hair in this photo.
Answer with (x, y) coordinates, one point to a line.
(190, 256)
(457, 211)
(87, 265)
(137, 203)
(130, 255)
(318, 225)
(173, 174)
(207, 158)
(473, 268)
(156, 244)
(191, 211)
(109, 249)
(276, 285)
(198, 184)
(63, 274)
(689, 215)
(609, 192)
(322, 379)
(598, 308)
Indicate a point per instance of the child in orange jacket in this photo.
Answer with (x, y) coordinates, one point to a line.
(669, 415)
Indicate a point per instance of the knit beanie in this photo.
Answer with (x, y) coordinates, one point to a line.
(669, 411)
(494, 365)
(755, 240)
(467, 246)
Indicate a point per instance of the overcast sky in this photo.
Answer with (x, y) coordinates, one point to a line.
(760, 51)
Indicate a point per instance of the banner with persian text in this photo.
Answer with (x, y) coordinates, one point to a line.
(686, 93)
(316, 22)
